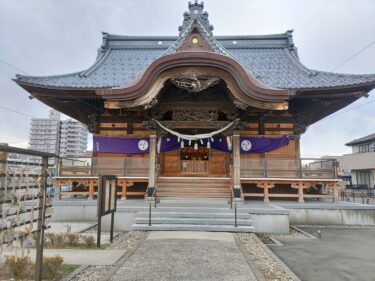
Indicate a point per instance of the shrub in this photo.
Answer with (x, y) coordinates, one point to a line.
(51, 269)
(52, 237)
(89, 241)
(59, 238)
(20, 268)
(73, 238)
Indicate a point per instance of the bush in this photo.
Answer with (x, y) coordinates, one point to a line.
(51, 269)
(59, 239)
(52, 237)
(89, 241)
(20, 268)
(73, 238)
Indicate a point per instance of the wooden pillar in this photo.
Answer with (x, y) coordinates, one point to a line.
(39, 241)
(335, 193)
(300, 186)
(152, 166)
(91, 188)
(300, 193)
(266, 186)
(124, 189)
(58, 189)
(236, 165)
(266, 194)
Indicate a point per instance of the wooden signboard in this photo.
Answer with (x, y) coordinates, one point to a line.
(107, 202)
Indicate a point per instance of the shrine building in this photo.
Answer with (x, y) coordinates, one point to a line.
(199, 115)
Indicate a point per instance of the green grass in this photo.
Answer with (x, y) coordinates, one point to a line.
(66, 269)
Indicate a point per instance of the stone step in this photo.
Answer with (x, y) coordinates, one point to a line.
(193, 221)
(192, 227)
(193, 215)
(196, 209)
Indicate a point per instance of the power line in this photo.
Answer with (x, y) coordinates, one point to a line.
(12, 66)
(18, 112)
(353, 56)
(353, 108)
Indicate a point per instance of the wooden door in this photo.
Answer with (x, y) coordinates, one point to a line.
(218, 163)
(171, 162)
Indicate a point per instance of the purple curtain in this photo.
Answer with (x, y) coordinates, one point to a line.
(169, 143)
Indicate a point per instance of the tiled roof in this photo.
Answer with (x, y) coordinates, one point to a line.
(273, 59)
(365, 139)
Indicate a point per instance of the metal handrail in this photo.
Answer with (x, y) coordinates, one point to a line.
(364, 196)
(154, 193)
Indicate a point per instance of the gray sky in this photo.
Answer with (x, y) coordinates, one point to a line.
(44, 37)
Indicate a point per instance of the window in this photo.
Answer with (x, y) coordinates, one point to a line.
(363, 178)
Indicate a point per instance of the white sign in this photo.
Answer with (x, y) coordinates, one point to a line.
(246, 145)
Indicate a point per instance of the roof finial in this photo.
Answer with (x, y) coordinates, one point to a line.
(196, 14)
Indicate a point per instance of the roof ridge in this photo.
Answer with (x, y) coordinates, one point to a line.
(298, 63)
(96, 64)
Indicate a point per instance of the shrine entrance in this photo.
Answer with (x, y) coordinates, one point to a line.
(195, 161)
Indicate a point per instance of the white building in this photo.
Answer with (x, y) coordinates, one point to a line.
(45, 133)
(67, 138)
(360, 164)
(73, 138)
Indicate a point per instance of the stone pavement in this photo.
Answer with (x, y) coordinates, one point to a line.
(186, 256)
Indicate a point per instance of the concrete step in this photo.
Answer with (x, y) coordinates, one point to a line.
(193, 215)
(192, 227)
(195, 209)
(193, 221)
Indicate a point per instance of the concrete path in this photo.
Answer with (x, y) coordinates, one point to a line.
(77, 256)
(343, 254)
(186, 256)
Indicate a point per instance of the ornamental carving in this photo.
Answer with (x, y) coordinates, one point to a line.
(190, 115)
(93, 124)
(194, 83)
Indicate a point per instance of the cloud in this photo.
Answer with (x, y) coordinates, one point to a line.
(52, 37)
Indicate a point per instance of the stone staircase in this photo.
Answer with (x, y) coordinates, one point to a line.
(193, 187)
(189, 217)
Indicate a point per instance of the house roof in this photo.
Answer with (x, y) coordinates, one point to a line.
(365, 139)
(272, 59)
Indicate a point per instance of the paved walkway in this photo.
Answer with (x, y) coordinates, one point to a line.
(186, 256)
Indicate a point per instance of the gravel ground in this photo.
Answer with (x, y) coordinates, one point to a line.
(265, 263)
(124, 241)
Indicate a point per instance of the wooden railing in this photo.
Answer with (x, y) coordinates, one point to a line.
(303, 168)
(119, 166)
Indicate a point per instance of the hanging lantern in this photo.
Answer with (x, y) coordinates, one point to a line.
(201, 141)
(229, 143)
(196, 146)
(212, 139)
(158, 145)
(208, 144)
(182, 144)
(189, 142)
